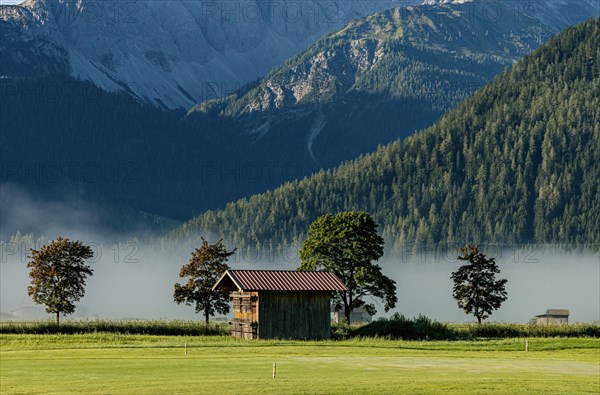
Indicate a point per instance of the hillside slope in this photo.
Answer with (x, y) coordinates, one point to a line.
(518, 162)
(385, 76)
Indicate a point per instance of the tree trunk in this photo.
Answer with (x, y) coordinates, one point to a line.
(57, 318)
(206, 318)
(347, 312)
(348, 307)
(479, 320)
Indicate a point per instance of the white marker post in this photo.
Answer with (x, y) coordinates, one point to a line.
(274, 369)
(526, 345)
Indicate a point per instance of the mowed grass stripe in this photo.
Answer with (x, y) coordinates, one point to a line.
(303, 367)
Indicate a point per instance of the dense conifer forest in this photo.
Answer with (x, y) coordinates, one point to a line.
(518, 162)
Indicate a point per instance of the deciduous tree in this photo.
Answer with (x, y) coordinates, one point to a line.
(475, 286)
(58, 273)
(347, 244)
(203, 270)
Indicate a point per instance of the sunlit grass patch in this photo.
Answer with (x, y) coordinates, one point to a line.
(146, 364)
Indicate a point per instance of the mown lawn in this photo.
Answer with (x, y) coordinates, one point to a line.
(113, 363)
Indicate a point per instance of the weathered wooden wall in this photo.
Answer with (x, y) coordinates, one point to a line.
(245, 309)
(551, 320)
(294, 315)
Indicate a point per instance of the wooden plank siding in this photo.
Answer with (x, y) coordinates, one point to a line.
(294, 315)
(245, 309)
(283, 304)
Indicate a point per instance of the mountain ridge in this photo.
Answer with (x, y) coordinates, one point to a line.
(378, 72)
(189, 164)
(517, 162)
(175, 53)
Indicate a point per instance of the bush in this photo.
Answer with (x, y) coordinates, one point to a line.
(343, 330)
(494, 330)
(141, 327)
(400, 327)
(424, 328)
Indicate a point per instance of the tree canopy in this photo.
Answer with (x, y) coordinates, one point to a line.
(347, 244)
(58, 273)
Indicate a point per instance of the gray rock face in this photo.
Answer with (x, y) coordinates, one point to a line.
(426, 59)
(483, 30)
(555, 14)
(178, 53)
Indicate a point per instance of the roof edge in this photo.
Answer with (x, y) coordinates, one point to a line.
(226, 273)
(239, 279)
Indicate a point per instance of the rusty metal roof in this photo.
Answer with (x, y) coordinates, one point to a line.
(279, 280)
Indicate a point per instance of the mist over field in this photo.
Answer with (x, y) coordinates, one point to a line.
(27, 213)
(133, 277)
(537, 280)
(135, 281)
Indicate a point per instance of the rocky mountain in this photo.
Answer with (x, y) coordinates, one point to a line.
(386, 76)
(171, 53)
(376, 79)
(518, 162)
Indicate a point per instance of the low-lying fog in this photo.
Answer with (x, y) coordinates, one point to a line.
(133, 283)
(536, 281)
(132, 280)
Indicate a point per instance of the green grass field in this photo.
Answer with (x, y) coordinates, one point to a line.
(112, 363)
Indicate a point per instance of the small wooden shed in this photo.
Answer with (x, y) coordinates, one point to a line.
(280, 304)
(553, 316)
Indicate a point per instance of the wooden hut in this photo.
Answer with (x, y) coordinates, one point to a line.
(552, 316)
(280, 304)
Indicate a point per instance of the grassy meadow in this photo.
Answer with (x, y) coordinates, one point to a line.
(113, 363)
